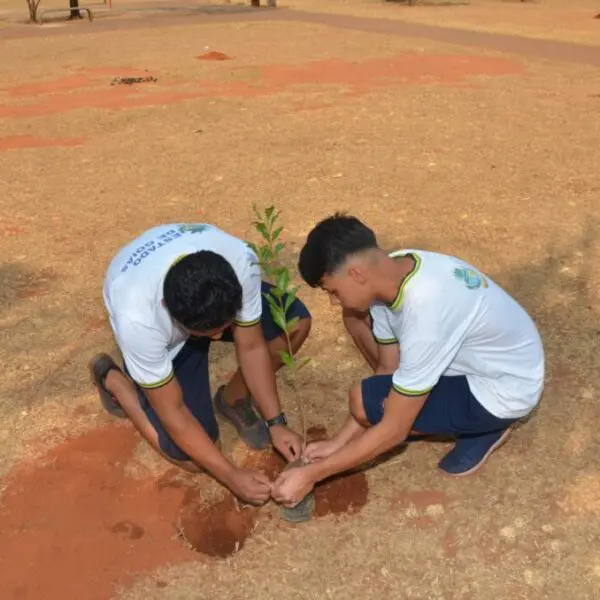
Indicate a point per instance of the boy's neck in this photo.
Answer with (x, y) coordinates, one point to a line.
(391, 274)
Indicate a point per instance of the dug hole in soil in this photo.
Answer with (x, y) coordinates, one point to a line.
(221, 529)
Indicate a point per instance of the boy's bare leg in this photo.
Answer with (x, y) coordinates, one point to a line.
(358, 325)
(126, 394)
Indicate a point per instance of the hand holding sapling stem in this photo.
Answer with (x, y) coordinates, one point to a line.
(292, 486)
(319, 450)
(251, 486)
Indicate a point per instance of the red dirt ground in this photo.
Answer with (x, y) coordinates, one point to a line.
(407, 68)
(10, 230)
(18, 142)
(217, 530)
(213, 55)
(76, 511)
(65, 94)
(346, 494)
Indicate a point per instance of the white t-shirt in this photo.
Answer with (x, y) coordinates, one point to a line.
(133, 292)
(449, 319)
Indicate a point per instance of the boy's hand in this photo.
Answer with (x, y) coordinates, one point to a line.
(251, 486)
(319, 450)
(286, 441)
(292, 486)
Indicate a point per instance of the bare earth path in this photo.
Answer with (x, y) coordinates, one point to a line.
(534, 48)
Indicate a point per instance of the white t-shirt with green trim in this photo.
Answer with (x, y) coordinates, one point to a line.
(449, 319)
(133, 292)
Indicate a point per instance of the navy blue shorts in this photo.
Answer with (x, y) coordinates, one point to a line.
(450, 409)
(191, 370)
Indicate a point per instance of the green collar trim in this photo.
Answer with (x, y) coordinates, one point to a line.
(395, 305)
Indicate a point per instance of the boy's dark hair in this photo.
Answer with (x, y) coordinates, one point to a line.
(202, 292)
(330, 244)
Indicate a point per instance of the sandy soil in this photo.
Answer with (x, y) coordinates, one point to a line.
(486, 150)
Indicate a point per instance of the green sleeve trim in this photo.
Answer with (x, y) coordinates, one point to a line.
(385, 341)
(406, 392)
(248, 323)
(152, 386)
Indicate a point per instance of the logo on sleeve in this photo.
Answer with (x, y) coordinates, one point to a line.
(471, 278)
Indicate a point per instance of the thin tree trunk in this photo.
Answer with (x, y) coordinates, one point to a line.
(33, 5)
(74, 6)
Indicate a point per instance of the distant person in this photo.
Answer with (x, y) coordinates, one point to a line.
(453, 354)
(169, 293)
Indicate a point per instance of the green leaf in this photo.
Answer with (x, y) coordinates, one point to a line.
(283, 280)
(256, 213)
(291, 296)
(287, 359)
(274, 218)
(264, 255)
(277, 314)
(277, 293)
(279, 319)
(279, 248)
(269, 212)
(276, 233)
(289, 325)
(262, 229)
(272, 301)
(277, 270)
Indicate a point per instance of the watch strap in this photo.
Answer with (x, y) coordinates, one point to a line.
(278, 420)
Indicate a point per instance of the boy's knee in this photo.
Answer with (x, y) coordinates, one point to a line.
(302, 328)
(357, 407)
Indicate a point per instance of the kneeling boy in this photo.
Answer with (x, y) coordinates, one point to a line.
(453, 353)
(168, 294)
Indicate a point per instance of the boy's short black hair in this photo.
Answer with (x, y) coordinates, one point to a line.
(202, 292)
(330, 244)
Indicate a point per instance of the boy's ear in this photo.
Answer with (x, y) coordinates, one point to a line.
(357, 273)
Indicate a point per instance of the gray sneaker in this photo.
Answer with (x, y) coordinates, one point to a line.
(100, 366)
(250, 427)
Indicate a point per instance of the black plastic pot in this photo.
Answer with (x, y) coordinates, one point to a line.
(303, 511)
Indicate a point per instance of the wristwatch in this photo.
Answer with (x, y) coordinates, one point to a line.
(278, 420)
